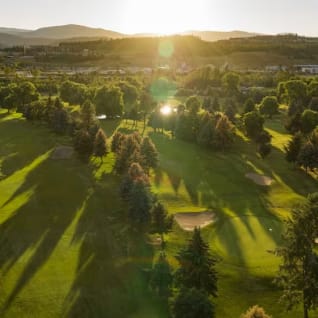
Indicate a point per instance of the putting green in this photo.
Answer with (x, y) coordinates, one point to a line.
(248, 240)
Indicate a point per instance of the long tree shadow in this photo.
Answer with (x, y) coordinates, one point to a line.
(57, 195)
(113, 265)
(217, 181)
(20, 144)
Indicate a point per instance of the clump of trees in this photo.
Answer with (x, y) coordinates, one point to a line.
(302, 150)
(109, 101)
(73, 93)
(133, 148)
(18, 95)
(253, 123)
(135, 156)
(216, 131)
(298, 272)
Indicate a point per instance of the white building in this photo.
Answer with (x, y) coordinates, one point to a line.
(310, 68)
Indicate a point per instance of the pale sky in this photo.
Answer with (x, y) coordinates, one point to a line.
(166, 16)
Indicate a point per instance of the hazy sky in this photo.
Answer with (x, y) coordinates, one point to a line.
(166, 16)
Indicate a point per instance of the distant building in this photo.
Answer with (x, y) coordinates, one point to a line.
(310, 68)
(275, 68)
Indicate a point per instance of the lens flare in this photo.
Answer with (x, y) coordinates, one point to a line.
(166, 48)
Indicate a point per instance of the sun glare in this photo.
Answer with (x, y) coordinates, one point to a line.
(162, 17)
(166, 110)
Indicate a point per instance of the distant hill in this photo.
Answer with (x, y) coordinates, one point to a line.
(56, 34)
(70, 31)
(9, 40)
(212, 36)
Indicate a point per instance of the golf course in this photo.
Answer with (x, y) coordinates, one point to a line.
(63, 240)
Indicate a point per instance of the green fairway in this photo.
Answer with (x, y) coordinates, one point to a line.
(63, 243)
(60, 249)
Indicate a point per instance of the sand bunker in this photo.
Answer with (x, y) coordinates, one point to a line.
(62, 152)
(189, 220)
(259, 179)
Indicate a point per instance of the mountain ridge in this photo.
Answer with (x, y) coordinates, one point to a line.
(52, 35)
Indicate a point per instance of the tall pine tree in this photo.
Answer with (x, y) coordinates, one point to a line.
(161, 221)
(197, 266)
(149, 154)
(100, 144)
(298, 273)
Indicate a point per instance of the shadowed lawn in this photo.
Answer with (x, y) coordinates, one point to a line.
(249, 217)
(65, 250)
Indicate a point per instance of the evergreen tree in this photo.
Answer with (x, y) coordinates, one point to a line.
(88, 114)
(135, 173)
(149, 154)
(293, 148)
(100, 144)
(140, 204)
(192, 303)
(298, 273)
(117, 140)
(130, 147)
(224, 132)
(161, 221)
(161, 278)
(83, 144)
(197, 266)
(255, 312)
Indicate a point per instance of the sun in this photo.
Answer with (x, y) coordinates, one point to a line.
(166, 110)
(164, 17)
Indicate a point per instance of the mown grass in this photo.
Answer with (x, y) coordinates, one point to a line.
(64, 247)
(62, 243)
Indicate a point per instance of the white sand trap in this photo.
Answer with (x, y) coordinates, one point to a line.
(62, 152)
(189, 220)
(259, 179)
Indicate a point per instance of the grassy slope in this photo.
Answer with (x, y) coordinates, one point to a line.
(61, 250)
(250, 217)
